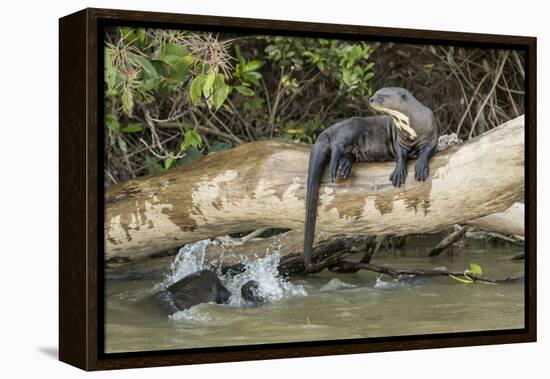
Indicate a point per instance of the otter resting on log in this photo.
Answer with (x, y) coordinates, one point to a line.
(408, 132)
(202, 287)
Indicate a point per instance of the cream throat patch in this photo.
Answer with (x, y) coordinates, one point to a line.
(401, 121)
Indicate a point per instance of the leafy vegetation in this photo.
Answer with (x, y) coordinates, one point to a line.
(173, 96)
(472, 275)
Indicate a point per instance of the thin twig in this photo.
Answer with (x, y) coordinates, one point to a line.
(497, 78)
(467, 111)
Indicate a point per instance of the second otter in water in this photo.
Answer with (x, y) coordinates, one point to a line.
(408, 131)
(202, 287)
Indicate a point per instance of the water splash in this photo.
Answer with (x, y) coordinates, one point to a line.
(411, 281)
(189, 259)
(264, 270)
(193, 314)
(336, 284)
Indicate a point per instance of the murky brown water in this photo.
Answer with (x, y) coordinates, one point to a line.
(368, 309)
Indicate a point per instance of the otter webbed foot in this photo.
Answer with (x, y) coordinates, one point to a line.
(421, 170)
(345, 164)
(398, 176)
(340, 162)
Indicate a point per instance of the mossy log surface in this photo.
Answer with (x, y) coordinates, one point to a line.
(262, 185)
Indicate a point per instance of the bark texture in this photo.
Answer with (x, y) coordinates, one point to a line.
(510, 221)
(262, 184)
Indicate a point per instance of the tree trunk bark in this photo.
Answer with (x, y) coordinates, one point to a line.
(511, 221)
(262, 184)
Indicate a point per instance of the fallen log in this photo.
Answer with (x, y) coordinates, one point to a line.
(291, 242)
(262, 185)
(511, 221)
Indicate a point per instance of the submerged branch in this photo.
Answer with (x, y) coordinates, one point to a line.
(345, 266)
(447, 242)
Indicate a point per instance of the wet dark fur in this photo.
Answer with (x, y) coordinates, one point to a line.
(202, 287)
(370, 139)
(250, 291)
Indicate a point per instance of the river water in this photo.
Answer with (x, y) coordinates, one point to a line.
(325, 306)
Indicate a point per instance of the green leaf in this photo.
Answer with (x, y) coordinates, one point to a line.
(270, 49)
(253, 65)
(252, 77)
(132, 35)
(153, 164)
(168, 162)
(122, 144)
(295, 131)
(110, 74)
(368, 76)
(141, 34)
(185, 126)
(192, 138)
(132, 128)
(208, 83)
(241, 64)
(111, 122)
(169, 59)
(220, 91)
(150, 84)
(219, 81)
(149, 71)
(196, 88)
(220, 95)
(179, 70)
(476, 269)
(127, 101)
(126, 30)
(190, 155)
(175, 49)
(244, 90)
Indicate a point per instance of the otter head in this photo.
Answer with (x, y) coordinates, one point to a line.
(250, 291)
(396, 102)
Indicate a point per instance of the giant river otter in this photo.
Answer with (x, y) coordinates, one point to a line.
(408, 131)
(202, 287)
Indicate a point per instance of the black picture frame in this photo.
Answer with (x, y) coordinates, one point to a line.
(81, 190)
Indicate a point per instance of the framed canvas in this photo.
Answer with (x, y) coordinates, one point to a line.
(240, 189)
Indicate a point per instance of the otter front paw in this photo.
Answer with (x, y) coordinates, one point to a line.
(421, 171)
(398, 176)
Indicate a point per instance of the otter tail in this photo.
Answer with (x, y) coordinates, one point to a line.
(317, 162)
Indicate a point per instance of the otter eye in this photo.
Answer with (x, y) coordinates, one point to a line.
(404, 96)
